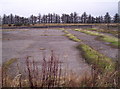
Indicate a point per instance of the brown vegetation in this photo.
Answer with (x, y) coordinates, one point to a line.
(49, 73)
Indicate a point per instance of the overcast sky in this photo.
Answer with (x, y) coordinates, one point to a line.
(28, 7)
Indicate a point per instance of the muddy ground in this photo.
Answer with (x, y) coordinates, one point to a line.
(21, 43)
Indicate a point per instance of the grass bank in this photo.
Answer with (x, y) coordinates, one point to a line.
(91, 55)
(6, 76)
(94, 57)
(55, 25)
(103, 69)
(105, 72)
(113, 32)
(114, 41)
(71, 36)
(8, 63)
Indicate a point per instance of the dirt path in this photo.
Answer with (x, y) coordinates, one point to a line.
(31, 42)
(98, 45)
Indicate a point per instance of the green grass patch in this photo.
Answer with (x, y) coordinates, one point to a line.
(113, 32)
(65, 31)
(89, 32)
(92, 29)
(8, 63)
(71, 36)
(94, 57)
(111, 39)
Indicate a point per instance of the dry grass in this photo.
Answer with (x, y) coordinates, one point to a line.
(55, 25)
(0, 76)
(49, 73)
(6, 79)
(104, 70)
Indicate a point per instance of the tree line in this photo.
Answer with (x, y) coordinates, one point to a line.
(56, 18)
